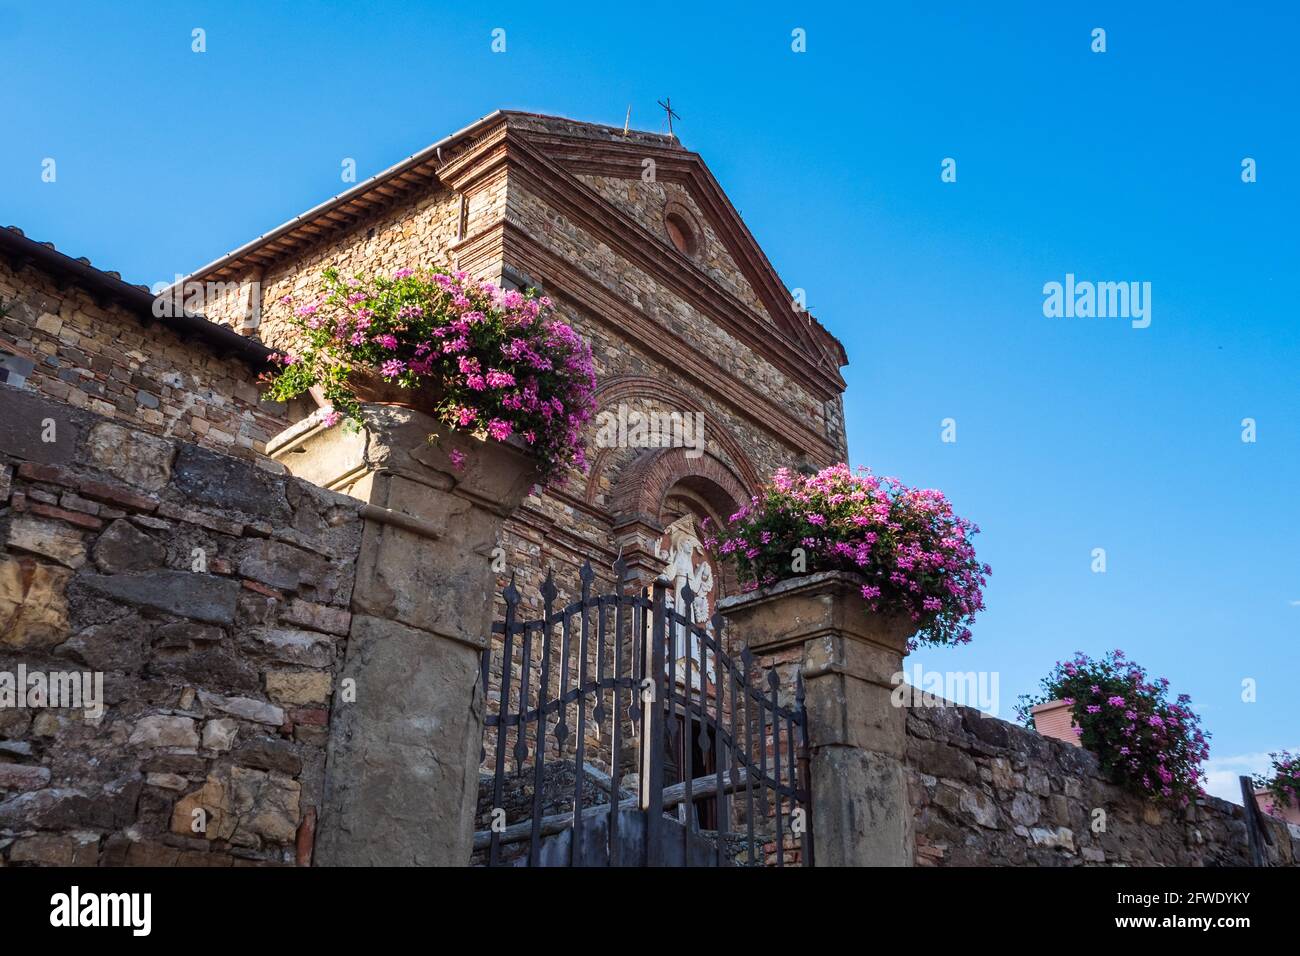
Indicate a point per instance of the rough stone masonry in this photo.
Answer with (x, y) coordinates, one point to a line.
(985, 792)
(212, 593)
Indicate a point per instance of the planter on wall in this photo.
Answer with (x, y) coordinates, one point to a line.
(1290, 813)
(372, 389)
(1055, 719)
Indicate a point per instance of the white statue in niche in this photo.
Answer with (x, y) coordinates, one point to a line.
(686, 562)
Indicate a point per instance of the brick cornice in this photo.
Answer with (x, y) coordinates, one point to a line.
(478, 160)
(478, 253)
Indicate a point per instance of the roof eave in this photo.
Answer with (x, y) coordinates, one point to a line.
(343, 198)
(136, 299)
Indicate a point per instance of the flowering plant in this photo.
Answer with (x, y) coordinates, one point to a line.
(1145, 743)
(498, 362)
(1283, 782)
(914, 552)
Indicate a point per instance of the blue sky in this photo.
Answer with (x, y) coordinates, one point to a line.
(1072, 434)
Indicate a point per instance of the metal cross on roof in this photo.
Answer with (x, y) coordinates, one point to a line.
(667, 104)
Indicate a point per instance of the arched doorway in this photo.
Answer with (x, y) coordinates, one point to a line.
(672, 505)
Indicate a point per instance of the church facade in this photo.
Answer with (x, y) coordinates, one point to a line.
(640, 250)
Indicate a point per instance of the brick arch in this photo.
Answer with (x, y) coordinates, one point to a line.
(633, 387)
(644, 484)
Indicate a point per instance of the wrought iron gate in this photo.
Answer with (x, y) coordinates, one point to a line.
(629, 673)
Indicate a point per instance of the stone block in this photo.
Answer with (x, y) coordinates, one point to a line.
(258, 711)
(142, 461)
(202, 597)
(15, 776)
(166, 781)
(207, 478)
(284, 566)
(49, 809)
(50, 850)
(163, 730)
(269, 753)
(123, 547)
(403, 778)
(1026, 809)
(811, 606)
(298, 687)
(116, 645)
(979, 807)
(33, 603)
(48, 538)
(219, 734)
(843, 710)
(243, 807)
(295, 646)
(201, 654)
(39, 430)
(858, 817)
(1058, 838)
(994, 732)
(318, 617)
(941, 760)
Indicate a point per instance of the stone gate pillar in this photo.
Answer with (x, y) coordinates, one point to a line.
(402, 764)
(857, 738)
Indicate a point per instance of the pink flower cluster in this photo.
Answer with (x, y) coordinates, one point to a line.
(494, 362)
(916, 556)
(1282, 781)
(1144, 742)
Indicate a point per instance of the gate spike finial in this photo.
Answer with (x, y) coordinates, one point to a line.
(586, 575)
(511, 593)
(548, 586)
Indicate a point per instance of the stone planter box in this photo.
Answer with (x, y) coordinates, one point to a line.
(1054, 719)
(792, 612)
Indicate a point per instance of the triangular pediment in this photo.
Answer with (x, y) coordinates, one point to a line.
(613, 167)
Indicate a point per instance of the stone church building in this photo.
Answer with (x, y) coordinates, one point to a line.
(641, 251)
(291, 627)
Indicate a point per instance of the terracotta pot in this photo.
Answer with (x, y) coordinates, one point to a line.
(1054, 719)
(372, 389)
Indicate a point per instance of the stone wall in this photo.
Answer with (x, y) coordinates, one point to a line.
(102, 358)
(212, 594)
(986, 792)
